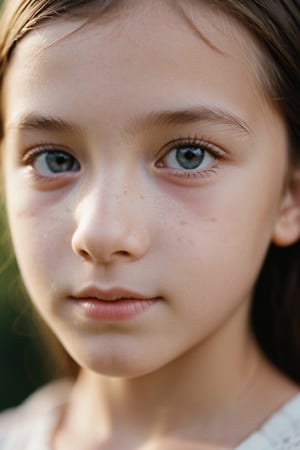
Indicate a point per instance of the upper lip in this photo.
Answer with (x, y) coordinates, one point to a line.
(112, 294)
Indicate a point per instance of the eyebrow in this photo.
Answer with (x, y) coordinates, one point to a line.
(168, 118)
(38, 122)
(194, 114)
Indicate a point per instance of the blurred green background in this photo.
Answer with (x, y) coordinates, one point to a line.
(23, 361)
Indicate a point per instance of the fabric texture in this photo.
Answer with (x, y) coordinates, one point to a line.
(30, 426)
(280, 432)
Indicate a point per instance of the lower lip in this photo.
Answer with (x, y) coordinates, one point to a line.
(113, 310)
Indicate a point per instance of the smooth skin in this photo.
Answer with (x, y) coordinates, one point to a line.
(141, 155)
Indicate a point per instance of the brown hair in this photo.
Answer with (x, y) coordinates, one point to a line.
(275, 25)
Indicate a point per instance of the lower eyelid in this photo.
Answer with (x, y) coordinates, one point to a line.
(195, 172)
(48, 183)
(194, 176)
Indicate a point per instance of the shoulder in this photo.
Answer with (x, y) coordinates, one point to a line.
(34, 419)
(280, 432)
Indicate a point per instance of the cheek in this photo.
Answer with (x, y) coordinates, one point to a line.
(213, 268)
(218, 239)
(39, 235)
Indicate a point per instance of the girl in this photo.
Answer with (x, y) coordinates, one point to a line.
(150, 156)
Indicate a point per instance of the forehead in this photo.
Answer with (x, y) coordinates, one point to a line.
(160, 54)
(158, 23)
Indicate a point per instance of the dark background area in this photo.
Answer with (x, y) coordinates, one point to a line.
(23, 361)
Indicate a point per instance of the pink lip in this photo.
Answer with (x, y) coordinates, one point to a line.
(112, 304)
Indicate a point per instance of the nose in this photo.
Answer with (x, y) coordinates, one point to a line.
(108, 230)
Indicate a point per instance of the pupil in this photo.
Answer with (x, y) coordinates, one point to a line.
(189, 157)
(59, 162)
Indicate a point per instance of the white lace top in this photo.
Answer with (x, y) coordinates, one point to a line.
(30, 426)
(280, 432)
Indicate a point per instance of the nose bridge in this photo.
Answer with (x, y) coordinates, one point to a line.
(101, 202)
(111, 196)
(108, 221)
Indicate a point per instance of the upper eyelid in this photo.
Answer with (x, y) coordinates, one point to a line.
(39, 149)
(34, 150)
(192, 141)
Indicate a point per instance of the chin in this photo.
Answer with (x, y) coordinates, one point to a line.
(116, 369)
(114, 364)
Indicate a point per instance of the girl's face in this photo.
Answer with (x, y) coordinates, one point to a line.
(144, 167)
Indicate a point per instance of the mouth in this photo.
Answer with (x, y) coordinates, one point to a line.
(112, 304)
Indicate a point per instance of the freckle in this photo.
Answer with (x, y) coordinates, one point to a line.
(213, 219)
(142, 197)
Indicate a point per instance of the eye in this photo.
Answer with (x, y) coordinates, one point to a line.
(51, 162)
(188, 156)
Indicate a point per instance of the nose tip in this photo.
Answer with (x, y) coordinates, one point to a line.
(107, 238)
(104, 248)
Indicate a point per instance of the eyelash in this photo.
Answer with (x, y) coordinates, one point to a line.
(30, 157)
(208, 149)
(195, 143)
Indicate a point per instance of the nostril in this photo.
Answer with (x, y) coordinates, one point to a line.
(87, 256)
(123, 253)
(84, 254)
